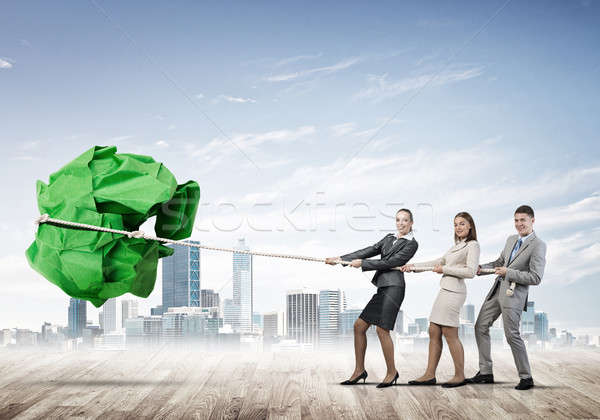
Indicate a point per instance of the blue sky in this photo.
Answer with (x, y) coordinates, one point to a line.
(274, 107)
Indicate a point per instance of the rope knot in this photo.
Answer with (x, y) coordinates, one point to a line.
(137, 234)
(42, 219)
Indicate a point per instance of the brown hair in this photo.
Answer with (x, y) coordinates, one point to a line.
(472, 235)
(525, 209)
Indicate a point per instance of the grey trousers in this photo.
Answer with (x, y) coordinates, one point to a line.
(511, 317)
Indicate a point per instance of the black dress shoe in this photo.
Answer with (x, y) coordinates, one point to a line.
(386, 384)
(524, 384)
(354, 381)
(454, 384)
(480, 378)
(431, 381)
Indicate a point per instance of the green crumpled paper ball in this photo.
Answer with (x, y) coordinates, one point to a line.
(119, 191)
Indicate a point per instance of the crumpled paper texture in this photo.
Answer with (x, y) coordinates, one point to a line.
(119, 191)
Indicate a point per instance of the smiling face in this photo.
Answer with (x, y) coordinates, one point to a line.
(403, 223)
(461, 227)
(524, 223)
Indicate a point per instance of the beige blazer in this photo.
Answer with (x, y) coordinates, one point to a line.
(459, 263)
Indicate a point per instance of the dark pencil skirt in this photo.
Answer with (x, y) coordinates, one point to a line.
(383, 307)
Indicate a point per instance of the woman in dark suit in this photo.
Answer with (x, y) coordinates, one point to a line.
(396, 250)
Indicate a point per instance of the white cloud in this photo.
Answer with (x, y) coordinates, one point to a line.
(5, 64)
(380, 88)
(161, 143)
(586, 210)
(342, 65)
(343, 129)
(199, 95)
(297, 58)
(219, 148)
(236, 99)
(573, 257)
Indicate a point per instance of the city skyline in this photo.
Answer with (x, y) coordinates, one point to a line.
(307, 127)
(316, 318)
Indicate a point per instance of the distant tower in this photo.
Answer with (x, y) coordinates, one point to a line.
(331, 305)
(181, 277)
(302, 309)
(528, 319)
(422, 324)
(209, 299)
(242, 286)
(109, 311)
(541, 326)
(77, 317)
(467, 313)
(399, 325)
(129, 309)
(231, 314)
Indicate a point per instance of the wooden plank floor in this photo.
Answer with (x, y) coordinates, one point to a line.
(211, 385)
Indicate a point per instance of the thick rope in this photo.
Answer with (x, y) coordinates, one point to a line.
(142, 235)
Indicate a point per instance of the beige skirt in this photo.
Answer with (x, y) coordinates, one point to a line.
(446, 308)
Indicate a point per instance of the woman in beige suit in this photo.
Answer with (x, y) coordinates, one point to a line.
(460, 262)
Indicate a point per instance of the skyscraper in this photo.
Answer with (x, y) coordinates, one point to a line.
(399, 325)
(242, 285)
(541, 326)
(209, 299)
(528, 319)
(231, 314)
(467, 313)
(77, 317)
(302, 307)
(422, 324)
(270, 325)
(331, 304)
(181, 277)
(129, 309)
(109, 315)
(347, 320)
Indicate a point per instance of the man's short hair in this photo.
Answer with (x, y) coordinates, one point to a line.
(525, 209)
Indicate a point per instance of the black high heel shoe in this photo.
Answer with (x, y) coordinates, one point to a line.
(390, 383)
(354, 381)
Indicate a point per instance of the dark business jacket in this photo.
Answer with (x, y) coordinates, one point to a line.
(392, 255)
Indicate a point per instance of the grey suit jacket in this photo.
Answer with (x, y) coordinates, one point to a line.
(526, 269)
(392, 255)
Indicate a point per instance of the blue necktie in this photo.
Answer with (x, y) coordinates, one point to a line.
(515, 249)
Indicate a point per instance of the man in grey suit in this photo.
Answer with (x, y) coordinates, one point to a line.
(521, 262)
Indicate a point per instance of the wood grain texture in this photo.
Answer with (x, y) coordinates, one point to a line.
(163, 384)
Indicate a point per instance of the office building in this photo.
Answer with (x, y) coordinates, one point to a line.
(528, 320)
(129, 309)
(77, 317)
(399, 325)
(331, 305)
(302, 309)
(541, 326)
(347, 320)
(243, 286)
(181, 277)
(467, 313)
(231, 314)
(209, 299)
(422, 325)
(109, 315)
(271, 324)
